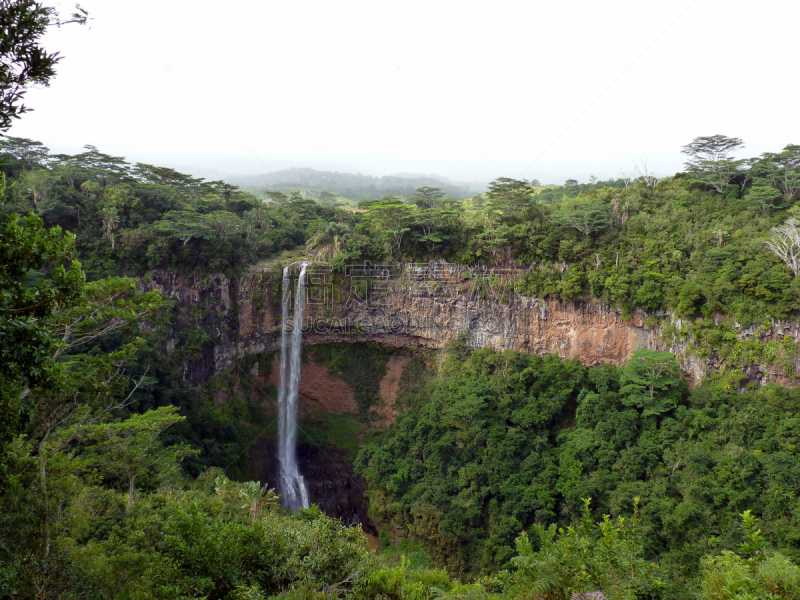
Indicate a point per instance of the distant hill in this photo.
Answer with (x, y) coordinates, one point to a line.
(356, 186)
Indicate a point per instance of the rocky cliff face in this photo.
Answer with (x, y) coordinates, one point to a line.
(221, 321)
(328, 475)
(415, 307)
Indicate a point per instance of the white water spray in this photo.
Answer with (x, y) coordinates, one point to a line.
(293, 488)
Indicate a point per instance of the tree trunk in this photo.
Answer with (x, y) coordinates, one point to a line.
(43, 484)
(131, 491)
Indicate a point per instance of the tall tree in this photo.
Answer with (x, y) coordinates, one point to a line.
(36, 185)
(494, 241)
(508, 198)
(587, 217)
(185, 225)
(224, 224)
(710, 161)
(131, 447)
(651, 382)
(711, 149)
(106, 305)
(87, 389)
(392, 218)
(781, 169)
(26, 343)
(764, 197)
(785, 244)
(427, 197)
(22, 153)
(225, 191)
(103, 168)
(25, 246)
(434, 225)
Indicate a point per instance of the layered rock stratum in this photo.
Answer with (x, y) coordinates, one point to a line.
(421, 307)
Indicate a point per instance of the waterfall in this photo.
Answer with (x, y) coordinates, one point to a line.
(293, 488)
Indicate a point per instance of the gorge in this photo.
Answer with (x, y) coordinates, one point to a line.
(408, 310)
(334, 386)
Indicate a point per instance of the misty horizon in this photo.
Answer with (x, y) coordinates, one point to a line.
(464, 171)
(382, 90)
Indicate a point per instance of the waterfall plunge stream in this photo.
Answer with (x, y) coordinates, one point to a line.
(293, 488)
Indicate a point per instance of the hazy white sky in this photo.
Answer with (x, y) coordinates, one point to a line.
(470, 89)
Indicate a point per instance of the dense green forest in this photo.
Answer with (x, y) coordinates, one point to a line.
(693, 243)
(503, 476)
(497, 441)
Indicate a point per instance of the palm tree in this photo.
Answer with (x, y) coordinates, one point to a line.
(329, 240)
(257, 497)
